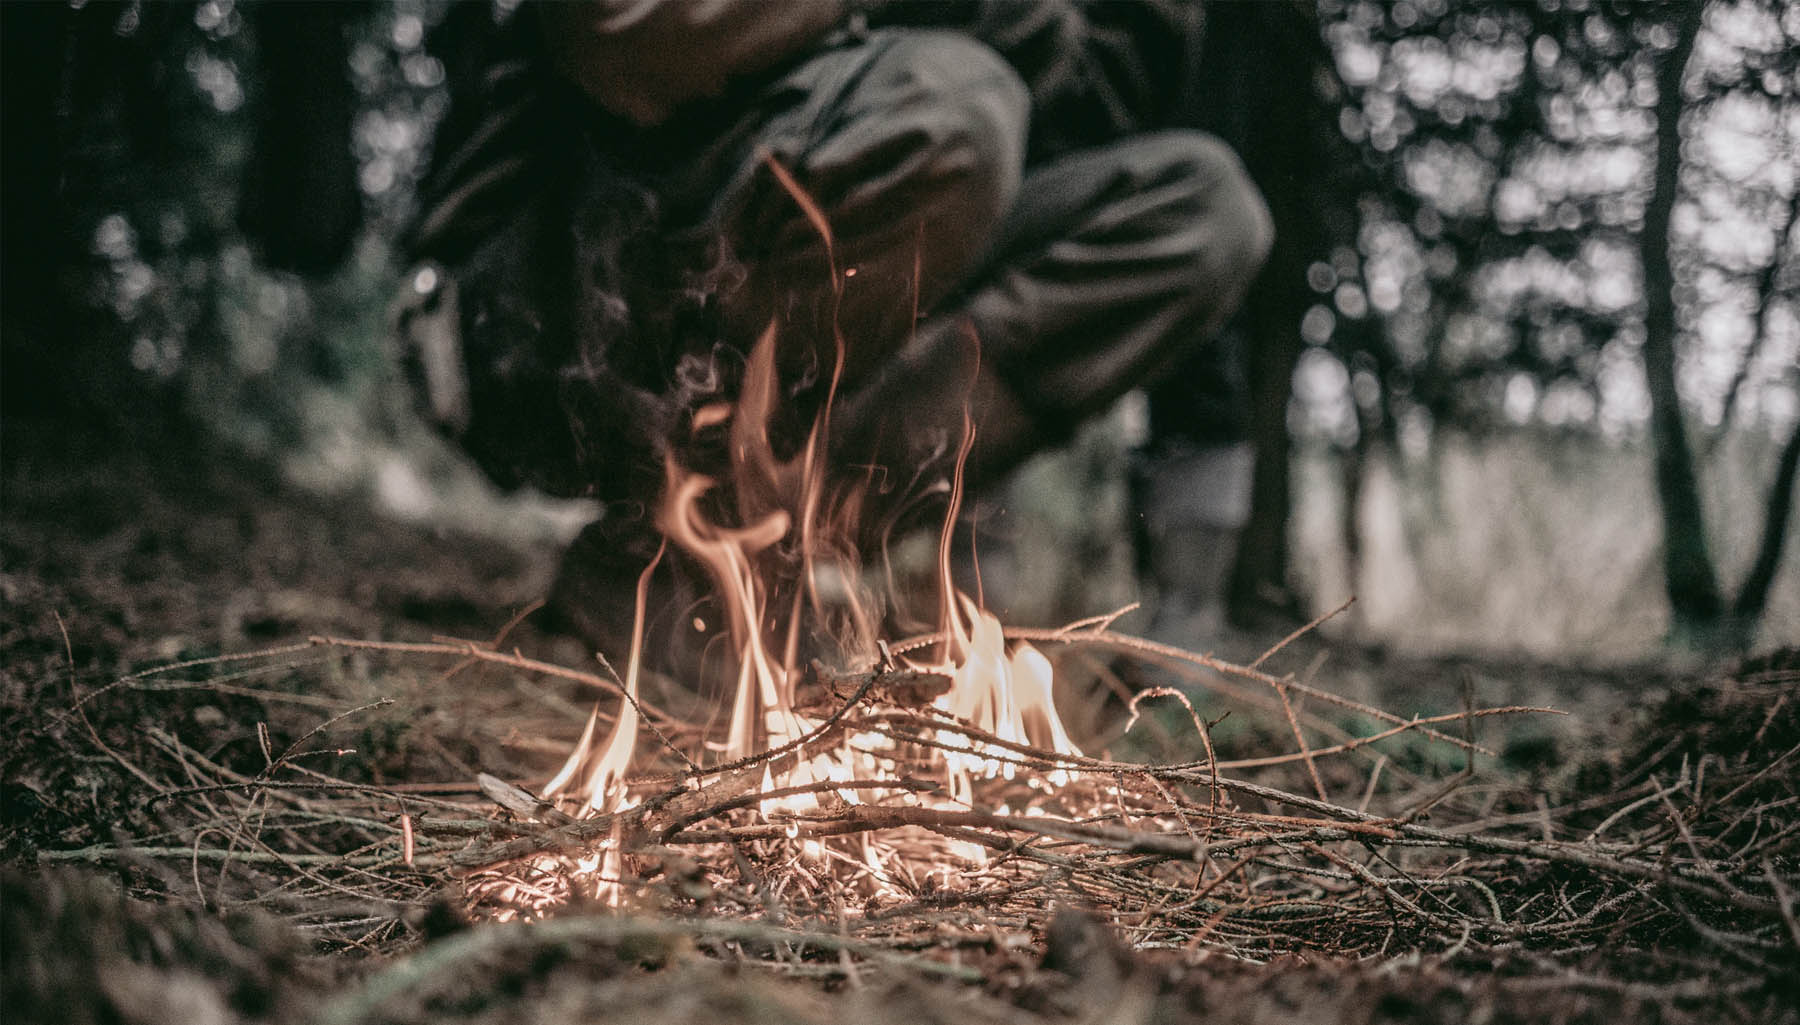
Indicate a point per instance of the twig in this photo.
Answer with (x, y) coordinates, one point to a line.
(470, 649)
(1302, 632)
(103, 853)
(1784, 900)
(638, 706)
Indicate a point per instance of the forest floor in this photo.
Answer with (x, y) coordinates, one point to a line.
(1635, 860)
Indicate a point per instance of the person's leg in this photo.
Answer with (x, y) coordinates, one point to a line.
(1115, 262)
(908, 147)
(1191, 486)
(591, 256)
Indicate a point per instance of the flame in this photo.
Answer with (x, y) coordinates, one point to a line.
(603, 792)
(777, 538)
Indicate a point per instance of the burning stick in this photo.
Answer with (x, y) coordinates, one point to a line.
(821, 690)
(519, 801)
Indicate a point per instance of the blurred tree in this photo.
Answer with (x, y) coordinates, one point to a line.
(1562, 237)
(301, 204)
(1269, 88)
(167, 166)
(1692, 585)
(87, 123)
(1701, 616)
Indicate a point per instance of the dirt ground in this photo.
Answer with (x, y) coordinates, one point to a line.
(121, 554)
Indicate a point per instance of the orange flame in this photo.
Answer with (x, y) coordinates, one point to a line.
(786, 562)
(603, 791)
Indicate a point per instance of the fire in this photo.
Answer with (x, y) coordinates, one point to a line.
(783, 515)
(783, 567)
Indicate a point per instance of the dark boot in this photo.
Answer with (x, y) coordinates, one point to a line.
(594, 598)
(1193, 503)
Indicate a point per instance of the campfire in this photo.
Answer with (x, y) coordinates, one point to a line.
(877, 777)
(890, 772)
(912, 801)
(921, 810)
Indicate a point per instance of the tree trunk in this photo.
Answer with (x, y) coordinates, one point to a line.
(302, 203)
(1753, 596)
(1260, 586)
(1696, 609)
(1269, 85)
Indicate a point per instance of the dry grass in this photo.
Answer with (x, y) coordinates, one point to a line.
(1680, 851)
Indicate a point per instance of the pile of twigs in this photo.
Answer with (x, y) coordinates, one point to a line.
(1214, 854)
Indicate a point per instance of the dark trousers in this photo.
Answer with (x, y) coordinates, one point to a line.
(1067, 282)
(954, 275)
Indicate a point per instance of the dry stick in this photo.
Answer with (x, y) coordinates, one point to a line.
(1303, 631)
(1783, 900)
(1760, 773)
(1702, 864)
(1492, 822)
(1746, 784)
(867, 818)
(1050, 759)
(1038, 758)
(1104, 621)
(639, 707)
(1769, 718)
(1144, 646)
(521, 802)
(320, 728)
(1200, 727)
(1180, 814)
(287, 860)
(1370, 879)
(1570, 854)
(191, 663)
(1392, 731)
(1312, 769)
(575, 835)
(1641, 870)
(826, 786)
(103, 853)
(1656, 792)
(1458, 781)
(470, 649)
(954, 898)
(1422, 886)
(499, 637)
(1366, 822)
(1557, 852)
(1325, 808)
(93, 734)
(246, 784)
(221, 685)
(828, 724)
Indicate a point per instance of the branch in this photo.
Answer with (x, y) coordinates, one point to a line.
(1753, 596)
(1765, 300)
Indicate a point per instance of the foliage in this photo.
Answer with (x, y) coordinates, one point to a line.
(1495, 278)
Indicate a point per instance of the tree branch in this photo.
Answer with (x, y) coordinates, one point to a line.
(1753, 595)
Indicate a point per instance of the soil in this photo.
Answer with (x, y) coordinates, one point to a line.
(121, 554)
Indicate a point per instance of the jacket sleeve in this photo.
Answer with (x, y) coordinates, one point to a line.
(1095, 69)
(642, 59)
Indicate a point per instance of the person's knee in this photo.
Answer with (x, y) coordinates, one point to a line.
(1226, 231)
(945, 121)
(1244, 227)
